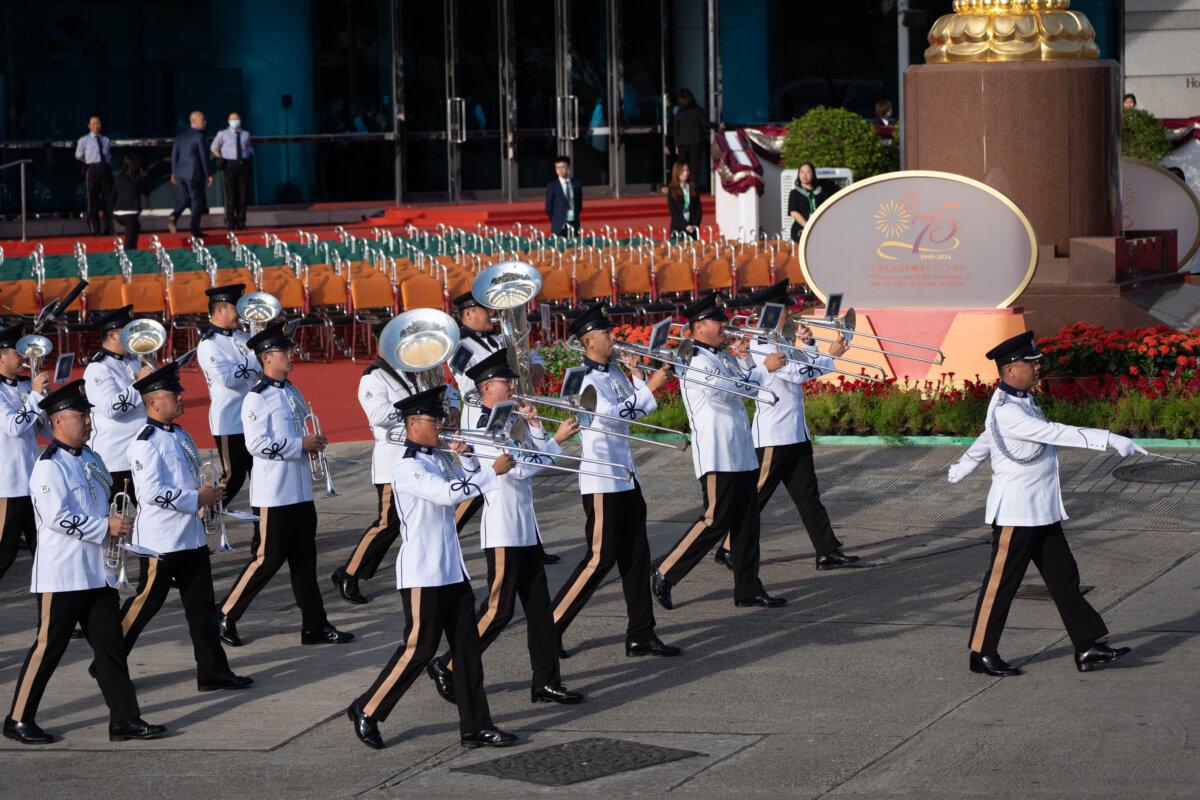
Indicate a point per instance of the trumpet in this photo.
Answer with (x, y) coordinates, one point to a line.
(318, 462)
(681, 367)
(214, 516)
(116, 556)
(143, 338)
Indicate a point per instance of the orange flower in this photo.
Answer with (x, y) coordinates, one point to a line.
(1182, 361)
(1133, 370)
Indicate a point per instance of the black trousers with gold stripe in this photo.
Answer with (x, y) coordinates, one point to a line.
(236, 463)
(95, 610)
(730, 506)
(283, 533)
(1012, 550)
(519, 572)
(465, 511)
(377, 538)
(616, 534)
(191, 572)
(16, 522)
(792, 465)
(429, 612)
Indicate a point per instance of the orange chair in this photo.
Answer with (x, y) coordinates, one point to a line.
(326, 288)
(633, 278)
(146, 297)
(19, 296)
(421, 291)
(593, 284)
(755, 272)
(673, 277)
(287, 288)
(715, 275)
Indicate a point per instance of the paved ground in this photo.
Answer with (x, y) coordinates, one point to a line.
(858, 688)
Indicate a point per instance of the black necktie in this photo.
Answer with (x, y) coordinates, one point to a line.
(237, 144)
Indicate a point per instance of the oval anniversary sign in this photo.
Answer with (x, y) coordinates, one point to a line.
(919, 239)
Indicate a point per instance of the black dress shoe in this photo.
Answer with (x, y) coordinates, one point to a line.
(1097, 654)
(651, 647)
(763, 600)
(136, 728)
(92, 671)
(551, 558)
(365, 728)
(491, 736)
(25, 732)
(228, 631)
(77, 633)
(226, 681)
(992, 665)
(661, 591)
(554, 694)
(723, 556)
(443, 680)
(835, 560)
(326, 634)
(347, 586)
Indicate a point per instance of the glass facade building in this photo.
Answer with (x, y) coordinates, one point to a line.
(427, 100)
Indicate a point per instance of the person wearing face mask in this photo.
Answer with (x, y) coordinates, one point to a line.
(233, 149)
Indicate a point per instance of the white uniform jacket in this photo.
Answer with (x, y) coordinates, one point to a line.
(480, 345)
(508, 518)
(230, 370)
(618, 396)
(273, 419)
(379, 389)
(426, 487)
(118, 415)
(69, 487)
(1020, 440)
(783, 423)
(20, 422)
(721, 439)
(166, 475)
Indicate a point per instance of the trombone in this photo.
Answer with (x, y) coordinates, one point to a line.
(143, 338)
(682, 367)
(214, 516)
(791, 352)
(318, 462)
(257, 309)
(844, 326)
(500, 440)
(116, 555)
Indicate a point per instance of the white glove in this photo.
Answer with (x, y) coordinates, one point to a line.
(1124, 446)
(961, 469)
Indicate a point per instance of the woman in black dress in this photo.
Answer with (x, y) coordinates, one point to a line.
(683, 201)
(804, 198)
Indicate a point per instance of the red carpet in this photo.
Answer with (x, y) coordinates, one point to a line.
(620, 214)
(331, 388)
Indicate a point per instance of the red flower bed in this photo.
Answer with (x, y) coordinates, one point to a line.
(1083, 349)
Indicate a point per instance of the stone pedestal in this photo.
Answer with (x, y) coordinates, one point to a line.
(1045, 133)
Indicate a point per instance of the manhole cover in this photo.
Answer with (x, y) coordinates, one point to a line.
(1039, 592)
(580, 760)
(1158, 472)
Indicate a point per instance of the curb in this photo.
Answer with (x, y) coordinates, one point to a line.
(922, 441)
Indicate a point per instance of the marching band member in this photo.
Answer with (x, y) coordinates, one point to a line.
(281, 494)
(166, 473)
(781, 439)
(70, 487)
(508, 534)
(475, 336)
(119, 415)
(20, 422)
(723, 458)
(225, 360)
(614, 507)
(379, 389)
(432, 577)
(1025, 510)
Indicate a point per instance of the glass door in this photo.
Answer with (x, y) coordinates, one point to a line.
(534, 44)
(424, 135)
(641, 80)
(586, 103)
(474, 111)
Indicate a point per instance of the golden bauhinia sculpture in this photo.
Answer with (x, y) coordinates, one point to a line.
(1011, 30)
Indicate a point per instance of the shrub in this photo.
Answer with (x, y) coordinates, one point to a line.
(835, 137)
(1143, 136)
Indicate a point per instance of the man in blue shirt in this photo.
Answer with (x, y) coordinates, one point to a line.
(95, 153)
(190, 172)
(232, 149)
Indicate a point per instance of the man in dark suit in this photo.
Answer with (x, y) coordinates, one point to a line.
(191, 173)
(564, 200)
